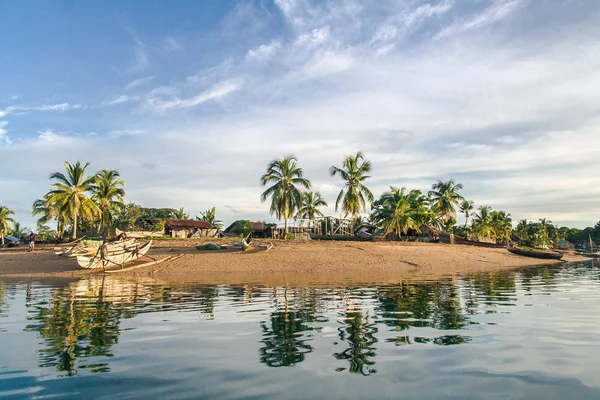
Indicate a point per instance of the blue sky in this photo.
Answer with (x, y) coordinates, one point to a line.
(189, 100)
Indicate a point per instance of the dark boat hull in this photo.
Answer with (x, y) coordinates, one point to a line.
(342, 237)
(588, 254)
(458, 240)
(536, 254)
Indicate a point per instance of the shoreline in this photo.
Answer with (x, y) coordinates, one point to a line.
(293, 261)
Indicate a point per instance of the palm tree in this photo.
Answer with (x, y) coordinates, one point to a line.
(69, 194)
(210, 217)
(482, 222)
(354, 195)
(180, 214)
(309, 208)
(502, 223)
(5, 220)
(286, 198)
(49, 211)
(466, 207)
(395, 211)
(446, 199)
(522, 230)
(18, 230)
(108, 194)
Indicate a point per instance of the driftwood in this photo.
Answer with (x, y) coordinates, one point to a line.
(172, 259)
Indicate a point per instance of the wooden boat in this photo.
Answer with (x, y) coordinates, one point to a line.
(459, 240)
(342, 237)
(246, 245)
(550, 255)
(591, 254)
(90, 250)
(118, 257)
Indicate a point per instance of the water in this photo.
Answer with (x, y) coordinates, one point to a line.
(529, 334)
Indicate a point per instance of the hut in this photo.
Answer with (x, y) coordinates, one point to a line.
(259, 230)
(184, 228)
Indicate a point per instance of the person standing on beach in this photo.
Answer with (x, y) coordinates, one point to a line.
(32, 242)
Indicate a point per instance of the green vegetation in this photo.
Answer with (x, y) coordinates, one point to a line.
(285, 177)
(242, 228)
(354, 195)
(108, 194)
(5, 220)
(446, 199)
(210, 216)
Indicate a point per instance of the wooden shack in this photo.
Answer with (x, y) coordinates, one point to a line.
(185, 228)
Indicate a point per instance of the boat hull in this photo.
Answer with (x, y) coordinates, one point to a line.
(116, 258)
(536, 254)
(588, 254)
(342, 238)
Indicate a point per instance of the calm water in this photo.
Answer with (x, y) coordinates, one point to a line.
(530, 334)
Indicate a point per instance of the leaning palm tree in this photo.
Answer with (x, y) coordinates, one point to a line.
(446, 199)
(354, 195)
(69, 193)
(5, 221)
(309, 208)
(108, 195)
(466, 207)
(47, 212)
(284, 176)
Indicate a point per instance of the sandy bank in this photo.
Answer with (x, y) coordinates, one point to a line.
(296, 261)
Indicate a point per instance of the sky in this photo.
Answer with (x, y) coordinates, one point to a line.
(190, 100)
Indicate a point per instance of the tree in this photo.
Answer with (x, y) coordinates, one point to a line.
(242, 228)
(502, 224)
(108, 195)
(446, 199)
(210, 217)
(309, 208)
(395, 210)
(466, 207)
(19, 230)
(354, 195)
(180, 214)
(482, 222)
(284, 176)
(522, 230)
(5, 220)
(69, 194)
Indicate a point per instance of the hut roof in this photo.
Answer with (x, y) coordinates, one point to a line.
(186, 224)
(256, 226)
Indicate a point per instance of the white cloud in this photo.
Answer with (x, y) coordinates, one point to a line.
(263, 51)
(170, 43)
(45, 107)
(48, 135)
(3, 138)
(127, 132)
(139, 82)
(124, 98)
(219, 90)
(315, 36)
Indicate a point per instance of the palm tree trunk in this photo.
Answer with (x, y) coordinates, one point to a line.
(285, 227)
(2, 239)
(74, 227)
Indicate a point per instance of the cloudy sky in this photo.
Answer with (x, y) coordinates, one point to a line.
(190, 100)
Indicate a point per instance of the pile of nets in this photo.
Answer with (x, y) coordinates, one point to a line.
(208, 246)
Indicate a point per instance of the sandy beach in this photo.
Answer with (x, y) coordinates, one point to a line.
(290, 261)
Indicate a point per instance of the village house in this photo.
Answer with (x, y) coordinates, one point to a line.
(259, 230)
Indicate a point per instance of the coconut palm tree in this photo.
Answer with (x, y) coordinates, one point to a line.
(502, 223)
(522, 230)
(482, 222)
(5, 221)
(69, 193)
(466, 207)
(395, 211)
(354, 195)
(446, 199)
(108, 195)
(210, 217)
(181, 214)
(284, 176)
(18, 230)
(309, 208)
(48, 212)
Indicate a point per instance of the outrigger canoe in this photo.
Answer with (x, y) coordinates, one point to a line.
(91, 250)
(591, 254)
(118, 257)
(553, 255)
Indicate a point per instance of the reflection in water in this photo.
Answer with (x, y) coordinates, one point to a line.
(80, 323)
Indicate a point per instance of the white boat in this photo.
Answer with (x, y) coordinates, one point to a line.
(117, 257)
(91, 249)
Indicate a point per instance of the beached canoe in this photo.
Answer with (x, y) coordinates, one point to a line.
(342, 238)
(550, 255)
(591, 254)
(459, 240)
(118, 257)
(90, 250)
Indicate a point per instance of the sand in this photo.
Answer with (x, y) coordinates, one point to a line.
(292, 261)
